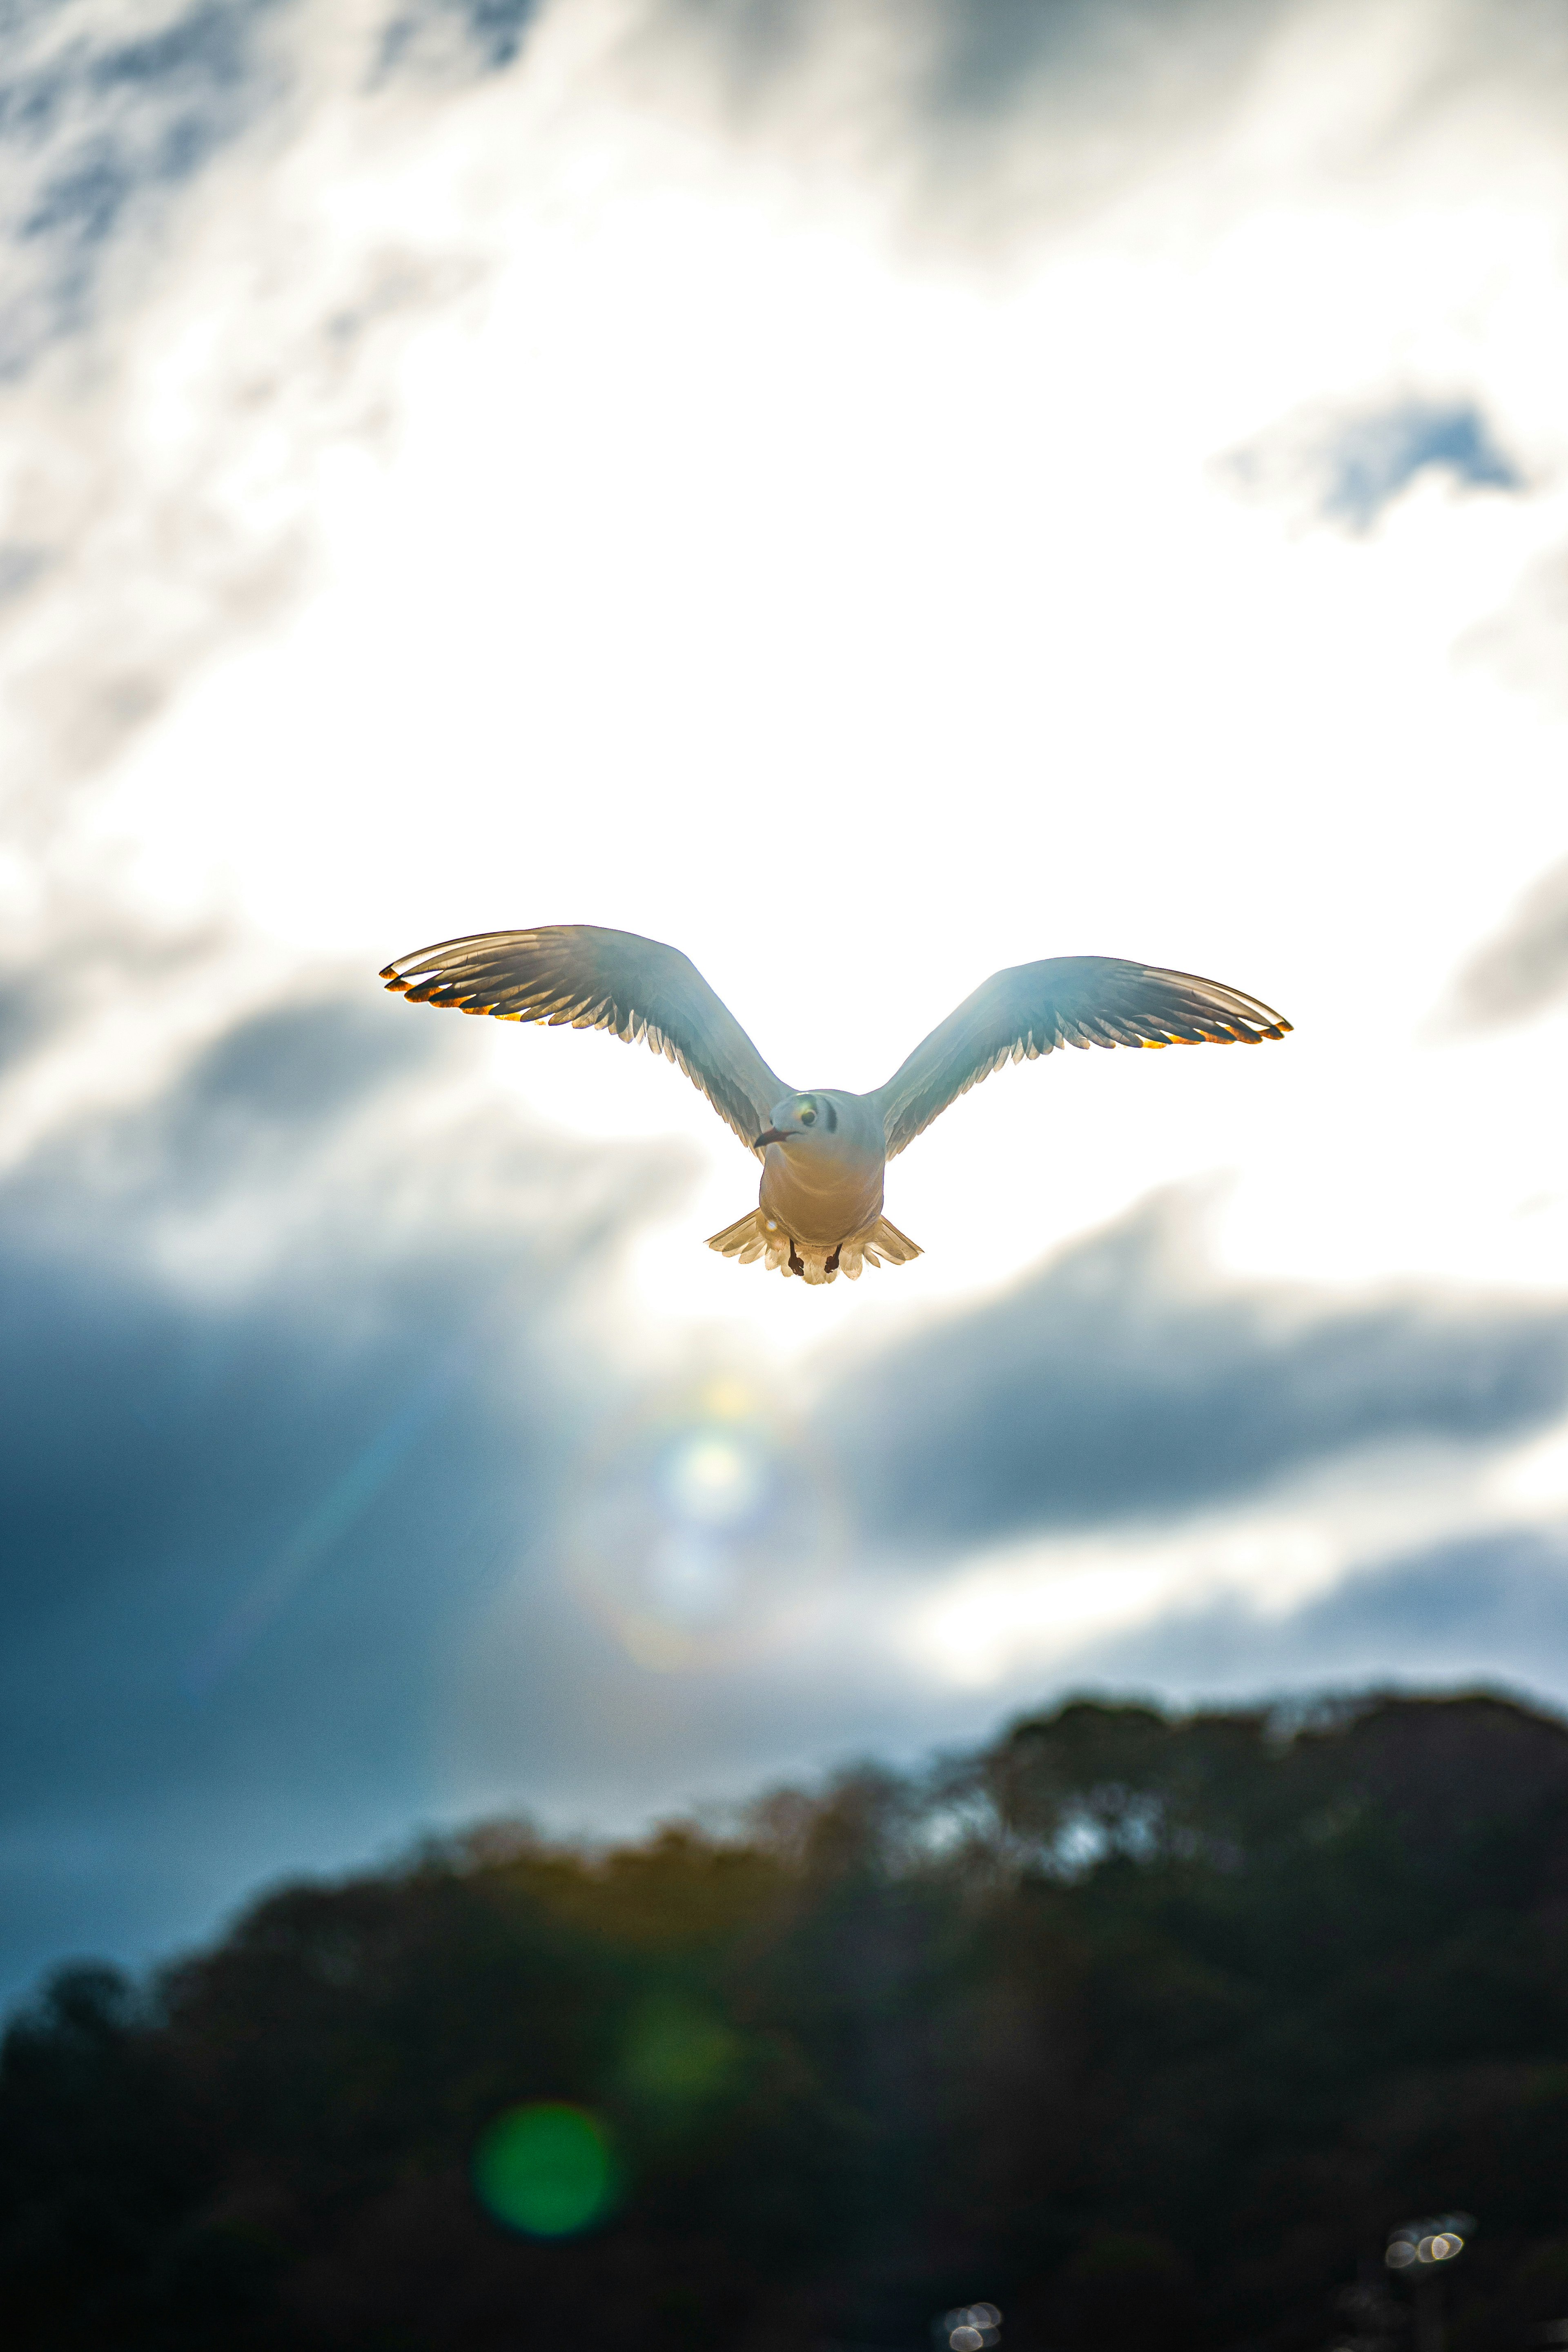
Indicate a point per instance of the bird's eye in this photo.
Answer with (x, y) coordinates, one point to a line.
(807, 1115)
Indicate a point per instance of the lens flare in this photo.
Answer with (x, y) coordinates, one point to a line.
(972, 2327)
(1422, 2243)
(719, 1480)
(679, 2056)
(703, 1527)
(546, 2170)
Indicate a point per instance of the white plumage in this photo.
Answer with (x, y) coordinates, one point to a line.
(824, 1152)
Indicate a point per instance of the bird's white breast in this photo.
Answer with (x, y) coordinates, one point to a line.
(826, 1184)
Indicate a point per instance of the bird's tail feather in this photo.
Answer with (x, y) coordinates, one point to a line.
(889, 1244)
(752, 1237)
(744, 1239)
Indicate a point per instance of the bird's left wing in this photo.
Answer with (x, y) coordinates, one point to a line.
(575, 973)
(1032, 1008)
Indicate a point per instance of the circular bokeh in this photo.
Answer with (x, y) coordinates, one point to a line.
(546, 2170)
(704, 1525)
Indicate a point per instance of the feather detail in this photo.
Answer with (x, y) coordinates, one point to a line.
(1079, 1001)
(577, 976)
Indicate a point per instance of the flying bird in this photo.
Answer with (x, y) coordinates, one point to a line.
(819, 1210)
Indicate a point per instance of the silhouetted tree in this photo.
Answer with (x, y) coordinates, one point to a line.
(1146, 2028)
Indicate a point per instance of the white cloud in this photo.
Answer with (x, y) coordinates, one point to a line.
(766, 499)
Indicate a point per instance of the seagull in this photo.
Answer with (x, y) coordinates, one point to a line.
(824, 1152)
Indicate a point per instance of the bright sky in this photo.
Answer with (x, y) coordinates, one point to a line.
(740, 567)
(865, 544)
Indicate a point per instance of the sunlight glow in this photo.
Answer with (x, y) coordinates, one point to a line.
(733, 526)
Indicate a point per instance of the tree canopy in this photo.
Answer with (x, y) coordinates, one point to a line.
(1146, 2029)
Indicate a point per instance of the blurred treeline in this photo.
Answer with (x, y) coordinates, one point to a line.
(1145, 2029)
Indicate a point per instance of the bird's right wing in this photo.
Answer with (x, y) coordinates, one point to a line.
(593, 978)
(1032, 1008)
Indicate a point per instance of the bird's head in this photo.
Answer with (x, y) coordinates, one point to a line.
(798, 1119)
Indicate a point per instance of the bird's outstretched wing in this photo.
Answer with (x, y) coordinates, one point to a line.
(1032, 1008)
(575, 973)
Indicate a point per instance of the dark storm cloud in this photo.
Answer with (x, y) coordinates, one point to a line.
(1120, 1381)
(1494, 1606)
(1525, 968)
(242, 1516)
(1349, 468)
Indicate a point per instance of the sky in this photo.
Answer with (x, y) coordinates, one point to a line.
(868, 491)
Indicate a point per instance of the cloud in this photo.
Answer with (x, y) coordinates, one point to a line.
(304, 1347)
(79, 967)
(489, 33)
(1491, 1608)
(104, 112)
(1370, 459)
(203, 311)
(27, 1015)
(956, 63)
(1121, 1382)
(1524, 644)
(306, 1409)
(978, 126)
(110, 113)
(273, 1086)
(190, 330)
(281, 1382)
(1525, 969)
(1348, 467)
(993, 59)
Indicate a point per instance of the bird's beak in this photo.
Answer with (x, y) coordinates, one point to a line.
(771, 1135)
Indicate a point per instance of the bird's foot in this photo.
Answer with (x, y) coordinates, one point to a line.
(757, 1236)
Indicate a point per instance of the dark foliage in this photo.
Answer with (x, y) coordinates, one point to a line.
(1146, 2029)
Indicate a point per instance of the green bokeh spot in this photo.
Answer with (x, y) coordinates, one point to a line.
(545, 2169)
(679, 2054)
